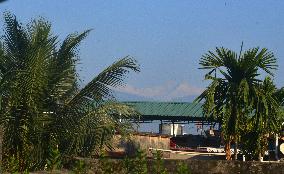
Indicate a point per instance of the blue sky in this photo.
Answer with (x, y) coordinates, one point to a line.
(166, 37)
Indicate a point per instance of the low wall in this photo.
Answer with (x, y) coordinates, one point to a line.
(141, 141)
(199, 166)
(207, 166)
(227, 167)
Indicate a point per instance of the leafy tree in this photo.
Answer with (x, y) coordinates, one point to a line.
(234, 87)
(42, 103)
(264, 121)
(279, 95)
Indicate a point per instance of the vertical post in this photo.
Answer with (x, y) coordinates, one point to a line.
(173, 128)
(276, 147)
(161, 127)
(202, 123)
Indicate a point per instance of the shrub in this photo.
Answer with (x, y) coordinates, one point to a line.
(159, 167)
(80, 167)
(182, 168)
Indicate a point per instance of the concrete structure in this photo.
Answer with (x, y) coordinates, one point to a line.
(205, 166)
(171, 129)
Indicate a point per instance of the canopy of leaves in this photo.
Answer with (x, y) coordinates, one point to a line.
(237, 94)
(42, 105)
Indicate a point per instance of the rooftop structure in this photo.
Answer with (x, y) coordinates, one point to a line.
(171, 111)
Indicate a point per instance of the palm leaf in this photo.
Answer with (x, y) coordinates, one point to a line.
(100, 87)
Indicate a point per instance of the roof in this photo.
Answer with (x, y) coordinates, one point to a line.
(178, 111)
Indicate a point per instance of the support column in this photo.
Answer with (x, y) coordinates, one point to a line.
(173, 128)
(161, 127)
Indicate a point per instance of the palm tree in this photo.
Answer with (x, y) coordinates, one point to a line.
(42, 105)
(235, 78)
(264, 121)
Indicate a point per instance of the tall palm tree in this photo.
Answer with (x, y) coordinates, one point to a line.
(42, 104)
(235, 78)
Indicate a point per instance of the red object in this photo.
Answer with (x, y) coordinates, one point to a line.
(172, 144)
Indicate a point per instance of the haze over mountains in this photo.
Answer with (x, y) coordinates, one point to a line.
(121, 96)
(170, 91)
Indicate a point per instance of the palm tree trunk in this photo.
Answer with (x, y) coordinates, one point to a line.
(236, 148)
(234, 126)
(228, 150)
(259, 157)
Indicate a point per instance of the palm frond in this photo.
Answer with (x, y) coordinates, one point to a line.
(100, 87)
(94, 127)
(63, 75)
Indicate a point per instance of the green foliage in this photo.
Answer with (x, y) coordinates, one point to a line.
(42, 103)
(12, 165)
(265, 121)
(236, 92)
(129, 165)
(253, 144)
(279, 95)
(106, 166)
(159, 167)
(80, 167)
(136, 165)
(54, 161)
(182, 168)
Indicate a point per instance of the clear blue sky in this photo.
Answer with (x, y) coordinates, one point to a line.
(166, 37)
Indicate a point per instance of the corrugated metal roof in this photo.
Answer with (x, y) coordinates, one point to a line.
(168, 110)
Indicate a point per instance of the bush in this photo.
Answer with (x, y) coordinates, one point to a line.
(182, 168)
(54, 161)
(80, 167)
(159, 167)
(136, 165)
